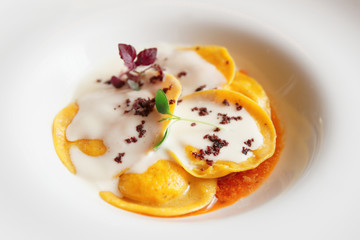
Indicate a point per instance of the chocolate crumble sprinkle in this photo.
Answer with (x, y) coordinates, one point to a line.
(140, 129)
(245, 150)
(118, 159)
(226, 119)
(225, 102)
(210, 150)
(131, 140)
(181, 74)
(200, 88)
(249, 142)
(238, 107)
(141, 106)
(202, 111)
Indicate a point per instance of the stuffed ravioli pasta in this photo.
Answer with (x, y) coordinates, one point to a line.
(179, 131)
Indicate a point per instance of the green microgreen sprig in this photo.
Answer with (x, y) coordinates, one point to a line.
(162, 106)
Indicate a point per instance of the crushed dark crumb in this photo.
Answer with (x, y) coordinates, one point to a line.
(156, 78)
(210, 150)
(200, 88)
(167, 88)
(209, 162)
(140, 129)
(217, 129)
(226, 102)
(202, 111)
(197, 48)
(193, 124)
(225, 119)
(245, 150)
(171, 101)
(98, 80)
(227, 62)
(249, 142)
(159, 77)
(181, 74)
(118, 158)
(131, 140)
(179, 101)
(141, 106)
(238, 107)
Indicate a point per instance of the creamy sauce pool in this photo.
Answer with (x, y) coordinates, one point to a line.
(191, 69)
(237, 132)
(101, 116)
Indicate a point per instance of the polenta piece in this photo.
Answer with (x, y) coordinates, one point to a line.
(165, 189)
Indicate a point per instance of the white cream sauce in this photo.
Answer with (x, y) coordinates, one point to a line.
(236, 133)
(101, 116)
(198, 71)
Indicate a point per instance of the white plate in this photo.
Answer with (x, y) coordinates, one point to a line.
(305, 54)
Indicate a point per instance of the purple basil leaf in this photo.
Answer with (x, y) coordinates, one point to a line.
(128, 54)
(117, 82)
(146, 57)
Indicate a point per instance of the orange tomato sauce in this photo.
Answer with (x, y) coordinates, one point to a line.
(241, 184)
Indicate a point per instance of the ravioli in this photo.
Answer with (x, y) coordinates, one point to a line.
(96, 147)
(165, 189)
(246, 85)
(217, 68)
(108, 136)
(219, 57)
(199, 162)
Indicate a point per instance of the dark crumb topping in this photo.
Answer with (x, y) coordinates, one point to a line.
(181, 74)
(227, 62)
(159, 77)
(211, 150)
(200, 88)
(193, 124)
(98, 80)
(127, 102)
(225, 119)
(167, 88)
(245, 150)
(238, 107)
(156, 78)
(209, 162)
(179, 101)
(140, 129)
(171, 101)
(118, 159)
(197, 48)
(249, 142)
(226, 102)
(217, 130)
(141, 106)
(131, 140)
(202, 111)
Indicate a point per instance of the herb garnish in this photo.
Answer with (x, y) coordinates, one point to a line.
(162, 106)
(132, 60)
